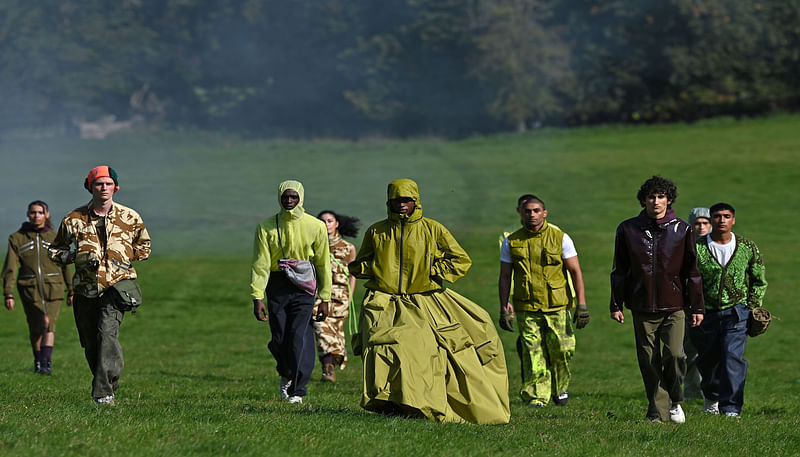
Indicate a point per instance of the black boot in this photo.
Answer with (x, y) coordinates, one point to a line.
(47, 367)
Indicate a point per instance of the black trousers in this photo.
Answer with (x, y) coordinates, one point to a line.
(292, 342)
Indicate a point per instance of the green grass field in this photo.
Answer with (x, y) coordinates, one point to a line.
(199, 380)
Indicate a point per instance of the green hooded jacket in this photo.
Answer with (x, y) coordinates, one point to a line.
(297, 235)
(408, 254)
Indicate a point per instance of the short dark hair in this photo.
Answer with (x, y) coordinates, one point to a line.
(522, 199)
(657, 185)
(348, 226)
(721, 207)
(532, 198)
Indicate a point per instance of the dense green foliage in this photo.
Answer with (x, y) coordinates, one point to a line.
(199, 380)
(352, 68)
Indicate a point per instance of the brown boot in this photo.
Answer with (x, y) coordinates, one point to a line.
(328, 373)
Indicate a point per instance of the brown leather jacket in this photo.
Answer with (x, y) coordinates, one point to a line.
(655, 266)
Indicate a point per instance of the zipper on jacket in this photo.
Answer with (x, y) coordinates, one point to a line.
(653, 266)
(400, 272)
(39, 268)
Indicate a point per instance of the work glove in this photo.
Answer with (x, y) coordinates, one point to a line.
(507, 318)
(581, 317)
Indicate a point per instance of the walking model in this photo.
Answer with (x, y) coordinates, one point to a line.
(734, 283)
(331, 347)
(427, 351)
(40, 282)
(289, 247)
(700, 220)
(539, 256)
(655, 275)
(102, 238)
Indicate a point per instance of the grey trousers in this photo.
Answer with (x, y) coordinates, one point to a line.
(98, 328)
(659, 347)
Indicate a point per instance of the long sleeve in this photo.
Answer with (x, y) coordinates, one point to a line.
(59, 251)
(262, 261)
(619, 271)
(757, 284)
(455, 261)
(690, 275)
(361, 266)
(141, 244)
(322, 262)
(10, 269)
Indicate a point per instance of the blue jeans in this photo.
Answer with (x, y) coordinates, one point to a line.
(720, 341)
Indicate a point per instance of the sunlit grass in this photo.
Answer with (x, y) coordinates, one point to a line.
(199, 380)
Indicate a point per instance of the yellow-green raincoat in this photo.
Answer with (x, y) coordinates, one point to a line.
(426, 349)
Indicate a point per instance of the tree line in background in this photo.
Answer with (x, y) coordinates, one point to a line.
(350, 68)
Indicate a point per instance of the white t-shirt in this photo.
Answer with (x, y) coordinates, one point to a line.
(567, 249)
(722, 252)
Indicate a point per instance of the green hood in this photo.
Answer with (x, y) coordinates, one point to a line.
(298, 211)
(404, 188)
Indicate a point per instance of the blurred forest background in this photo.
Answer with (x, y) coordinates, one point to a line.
(357, 68)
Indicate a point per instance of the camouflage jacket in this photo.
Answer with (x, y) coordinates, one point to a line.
(99, 266)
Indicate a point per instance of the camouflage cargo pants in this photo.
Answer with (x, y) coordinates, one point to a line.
(548, 344)
(330, 336)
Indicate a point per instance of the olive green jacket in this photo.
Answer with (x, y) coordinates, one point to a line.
(39, 279)
(540, 280)
(408, 254)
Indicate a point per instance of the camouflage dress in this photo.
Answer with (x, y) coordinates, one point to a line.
(330, 332)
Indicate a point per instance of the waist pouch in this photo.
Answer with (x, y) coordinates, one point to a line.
(758, 322)
(301, 273)
(128, 295)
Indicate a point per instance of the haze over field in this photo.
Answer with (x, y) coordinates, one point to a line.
(202, 193)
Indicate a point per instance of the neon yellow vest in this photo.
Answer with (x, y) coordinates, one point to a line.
(540, 282)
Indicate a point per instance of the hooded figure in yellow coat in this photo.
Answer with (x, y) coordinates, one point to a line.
(427, 351)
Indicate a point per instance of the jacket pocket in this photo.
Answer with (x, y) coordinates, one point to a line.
(487, 352)
(26, 286)
(53, 286)
(557, 294)
(453, 338)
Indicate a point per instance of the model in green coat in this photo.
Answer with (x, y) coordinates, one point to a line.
(40, 282)
(427, 351)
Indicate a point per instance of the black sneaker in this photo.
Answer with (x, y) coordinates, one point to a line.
(562, 399)
(37, 366)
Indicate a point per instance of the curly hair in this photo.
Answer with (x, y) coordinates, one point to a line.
(658, 185)
(348, 226)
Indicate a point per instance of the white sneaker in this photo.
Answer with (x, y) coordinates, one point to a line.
(711, 407)
(676, 414)
(106, 400)
(295, 399)
(284, 388)
(732, 414)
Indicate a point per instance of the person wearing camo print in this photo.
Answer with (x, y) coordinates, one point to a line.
(101, 238)
(329, 333)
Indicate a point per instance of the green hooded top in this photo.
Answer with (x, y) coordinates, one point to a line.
(302, 237)
(408, 254)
